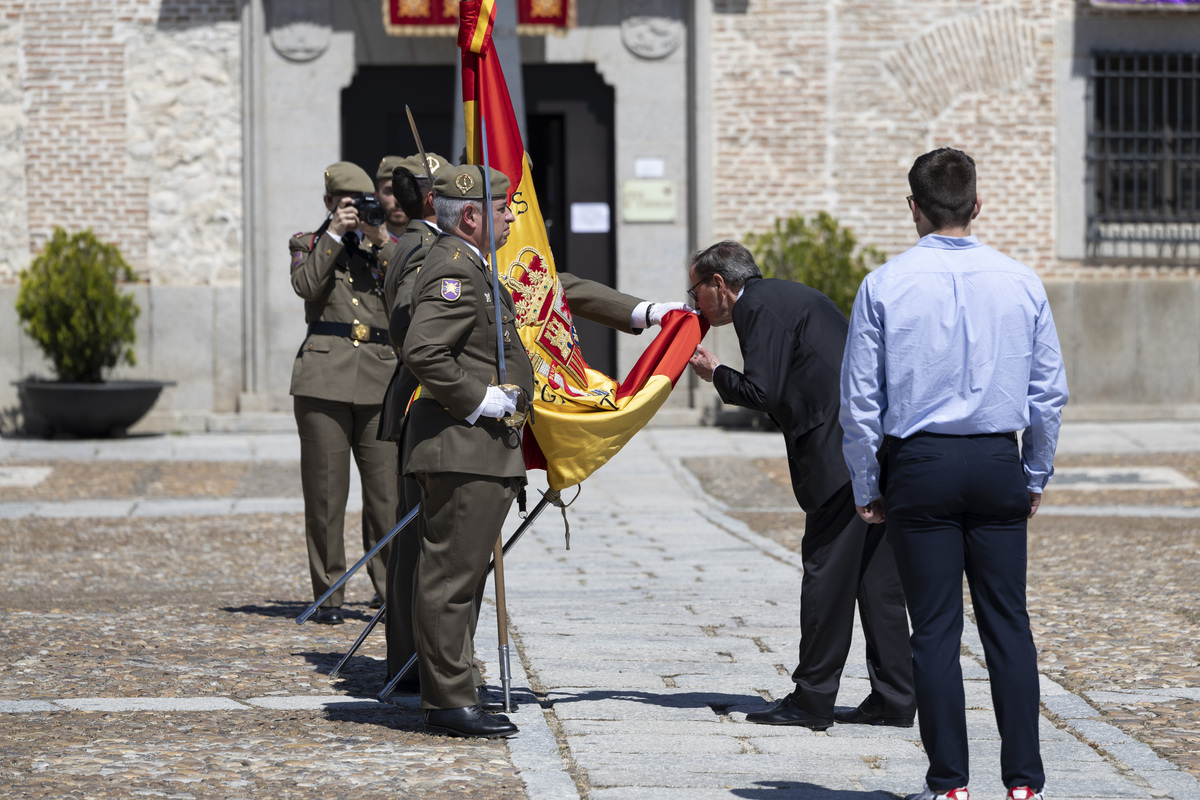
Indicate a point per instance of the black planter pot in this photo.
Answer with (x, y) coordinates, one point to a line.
(86, 410)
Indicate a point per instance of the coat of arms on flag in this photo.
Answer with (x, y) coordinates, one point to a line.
(581, 417)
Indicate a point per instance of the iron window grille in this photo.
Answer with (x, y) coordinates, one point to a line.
(1144, 156)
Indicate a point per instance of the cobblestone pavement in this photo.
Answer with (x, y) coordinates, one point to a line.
(200, 607)
(204, 607)
(1114, 603)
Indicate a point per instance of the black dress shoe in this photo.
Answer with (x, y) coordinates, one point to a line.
(330, 616)
(494, 701)
(786, 712)
(868, 713)
(468, 722)
(376, 601)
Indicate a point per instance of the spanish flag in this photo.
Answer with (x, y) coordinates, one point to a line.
(581, 417)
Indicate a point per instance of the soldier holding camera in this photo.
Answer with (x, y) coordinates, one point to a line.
(339, 378)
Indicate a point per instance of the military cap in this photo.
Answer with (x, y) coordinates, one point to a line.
(413, 164)
(346, 178)
(386, 165)
(465, 182)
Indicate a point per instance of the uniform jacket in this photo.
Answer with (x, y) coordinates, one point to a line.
(402, 260)
(792, 338)
(338, 286)
(450, 347)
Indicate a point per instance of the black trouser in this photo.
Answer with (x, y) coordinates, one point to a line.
(955, 504)
(401, 572)
(845, 560)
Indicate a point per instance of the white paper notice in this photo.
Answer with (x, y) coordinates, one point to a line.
(649, 168)
(590, 218)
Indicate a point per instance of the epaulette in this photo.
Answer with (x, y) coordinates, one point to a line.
(312, 242)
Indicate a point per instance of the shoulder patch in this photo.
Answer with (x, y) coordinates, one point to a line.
(451, 288)
(297, 258)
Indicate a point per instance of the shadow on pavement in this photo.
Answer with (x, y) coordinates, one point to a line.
(785, 790)
(719, 703)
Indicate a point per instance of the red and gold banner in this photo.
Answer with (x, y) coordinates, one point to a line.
(581, 417)
(440, 17)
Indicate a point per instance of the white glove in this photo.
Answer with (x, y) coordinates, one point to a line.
(656, 312)
(497, 404)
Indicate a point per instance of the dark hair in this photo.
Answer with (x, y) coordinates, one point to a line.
(410, 191)
(943, 185)
(729, 260)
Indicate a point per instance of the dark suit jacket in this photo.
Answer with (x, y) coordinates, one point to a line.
(792, 338)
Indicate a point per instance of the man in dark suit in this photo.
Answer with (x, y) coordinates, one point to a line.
(792, 338)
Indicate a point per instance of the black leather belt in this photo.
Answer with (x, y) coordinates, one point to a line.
(358, 331)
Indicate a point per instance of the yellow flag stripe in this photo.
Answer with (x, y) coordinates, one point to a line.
(481, 27)
(577, 444)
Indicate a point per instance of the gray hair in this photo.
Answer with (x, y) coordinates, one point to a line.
(450, 210)
(729, 260)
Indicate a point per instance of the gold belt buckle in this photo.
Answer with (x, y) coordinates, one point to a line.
(360, 332)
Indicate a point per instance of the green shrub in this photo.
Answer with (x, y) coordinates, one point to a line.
(72, 307)
(820, 254)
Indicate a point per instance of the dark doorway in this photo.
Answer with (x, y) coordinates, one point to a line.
(374, 124)
(569, 127)
(569, 120)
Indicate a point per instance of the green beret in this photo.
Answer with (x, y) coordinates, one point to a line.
(346, 178)
(413, 164)
(466, 182)
(386, 165)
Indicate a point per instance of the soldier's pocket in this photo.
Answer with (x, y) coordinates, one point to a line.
(315, 344)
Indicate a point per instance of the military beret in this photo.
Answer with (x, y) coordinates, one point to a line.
(386, 165)
(466, 182)
(413, 164)
(346, 178)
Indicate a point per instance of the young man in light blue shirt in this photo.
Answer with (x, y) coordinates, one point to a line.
(951, 351)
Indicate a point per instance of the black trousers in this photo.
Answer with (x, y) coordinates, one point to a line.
(401, 575)
(846, 560)
(959, 504)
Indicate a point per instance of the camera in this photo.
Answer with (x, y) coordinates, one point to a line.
(370, 210)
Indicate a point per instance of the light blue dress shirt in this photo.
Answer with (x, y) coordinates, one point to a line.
(951, 337)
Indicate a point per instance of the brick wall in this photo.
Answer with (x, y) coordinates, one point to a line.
(104, 102)
(825, 105)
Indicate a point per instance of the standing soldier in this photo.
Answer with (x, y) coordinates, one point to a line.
(456, 443)
(338, 382)
(397, 219)
(414, 194)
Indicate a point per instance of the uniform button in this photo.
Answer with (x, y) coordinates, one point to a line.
(328, 252)
(385, 262)
(354, 300)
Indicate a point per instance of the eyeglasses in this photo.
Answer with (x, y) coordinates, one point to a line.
(692, 291)
(909, 200)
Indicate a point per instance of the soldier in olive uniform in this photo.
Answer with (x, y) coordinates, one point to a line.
(396, 218)
(414, 194)
(467, 460)
(338, 382)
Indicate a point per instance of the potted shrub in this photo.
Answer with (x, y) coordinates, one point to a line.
(72, 306)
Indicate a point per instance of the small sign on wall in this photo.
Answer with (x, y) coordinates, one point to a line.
(648, 200)
(590, 218)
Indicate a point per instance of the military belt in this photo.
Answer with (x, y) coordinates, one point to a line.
(358, 331)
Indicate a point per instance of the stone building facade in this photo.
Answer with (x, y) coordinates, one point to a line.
(192, 134)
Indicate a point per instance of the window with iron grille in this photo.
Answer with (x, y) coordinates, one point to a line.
(1144, 156)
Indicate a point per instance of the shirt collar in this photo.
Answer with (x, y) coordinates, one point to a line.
(948, 242)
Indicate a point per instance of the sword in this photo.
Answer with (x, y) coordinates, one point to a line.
(387, 690)
(308, 612)
(412, 123)
(517, 419)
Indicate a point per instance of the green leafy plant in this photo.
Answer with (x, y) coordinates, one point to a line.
(73, 309)
(821, 254)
